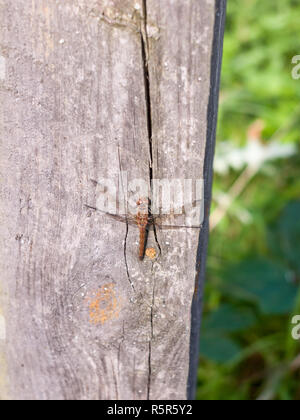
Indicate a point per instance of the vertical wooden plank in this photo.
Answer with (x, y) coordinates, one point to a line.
(87, 91)
(180, 65)
(72, 94)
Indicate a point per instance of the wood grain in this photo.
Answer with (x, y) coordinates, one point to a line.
(90, 89)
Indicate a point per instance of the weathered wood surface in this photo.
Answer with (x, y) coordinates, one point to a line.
(80, 316)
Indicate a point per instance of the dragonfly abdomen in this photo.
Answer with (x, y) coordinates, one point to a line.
(142, 243)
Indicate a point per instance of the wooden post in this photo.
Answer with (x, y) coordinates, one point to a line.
(93, 91)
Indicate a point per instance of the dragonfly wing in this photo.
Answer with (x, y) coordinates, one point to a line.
(159, 222)
(166, 227)
(128, 220)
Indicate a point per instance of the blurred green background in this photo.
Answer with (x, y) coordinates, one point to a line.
(252, 288)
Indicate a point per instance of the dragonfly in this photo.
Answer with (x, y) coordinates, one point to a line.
(144, 220)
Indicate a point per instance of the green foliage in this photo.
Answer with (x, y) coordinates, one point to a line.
(260, 42)
(229, 319)
(284, 238)
(262, 283)
(252, 289)
(219, 348)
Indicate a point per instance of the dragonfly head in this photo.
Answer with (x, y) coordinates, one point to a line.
(143, 205)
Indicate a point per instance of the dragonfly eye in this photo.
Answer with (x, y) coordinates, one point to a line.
(143, 202)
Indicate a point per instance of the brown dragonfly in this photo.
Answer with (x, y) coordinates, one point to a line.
(143, 220)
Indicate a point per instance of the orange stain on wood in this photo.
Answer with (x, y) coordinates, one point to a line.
(151, 253)
(104, 305)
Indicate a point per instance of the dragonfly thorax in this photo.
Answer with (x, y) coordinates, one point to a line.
(142, 217)
(142, 220)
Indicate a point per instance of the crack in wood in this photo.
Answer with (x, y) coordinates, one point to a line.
(150, 345)
(145, 57)
(127, 228)
(116, 23)
(115, 18)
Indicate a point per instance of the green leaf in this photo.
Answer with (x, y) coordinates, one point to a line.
(286, 236)
(263, 283)
(218, 348)
(228, 318)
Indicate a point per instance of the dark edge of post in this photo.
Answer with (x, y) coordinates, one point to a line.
(212, 116)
